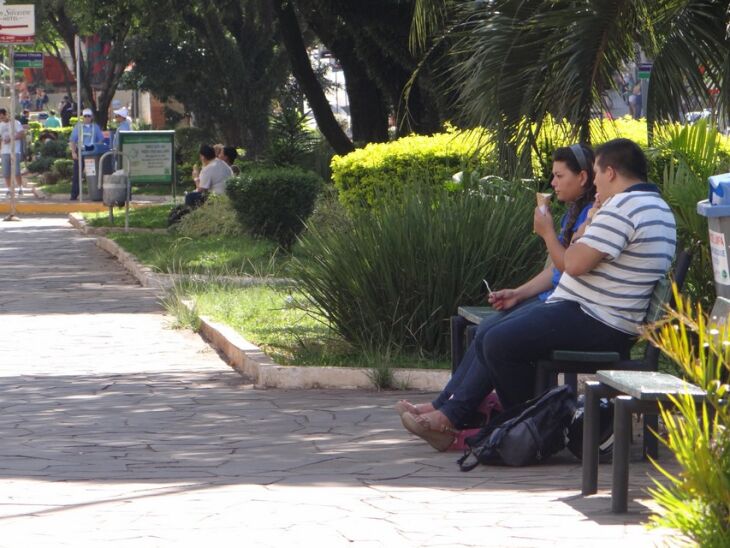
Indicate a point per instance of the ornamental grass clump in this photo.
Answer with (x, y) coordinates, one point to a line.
(697, 500)
(392, 279)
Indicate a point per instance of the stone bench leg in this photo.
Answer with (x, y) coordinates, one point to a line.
(621, 439)
(458, 325)
(591, 431)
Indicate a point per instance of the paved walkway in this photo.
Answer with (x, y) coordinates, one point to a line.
(117, 431)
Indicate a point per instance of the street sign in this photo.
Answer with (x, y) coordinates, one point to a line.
(28, 59)
(17, 24)
(644, 70)
(151, 155)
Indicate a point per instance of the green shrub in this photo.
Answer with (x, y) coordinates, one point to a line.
(63, 167)
(393, 278)
(41, 165)
(383, 171)
(274, 202)
(216, 217)
(52, 149)
(693, 154)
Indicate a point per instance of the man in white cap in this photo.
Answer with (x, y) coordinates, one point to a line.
(91, 135)
(121, 117)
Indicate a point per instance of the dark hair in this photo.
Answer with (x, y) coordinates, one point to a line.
(577, 163)
(52, 112)
(207, 152)
(625, 157)
(230, 153)
(3, 111)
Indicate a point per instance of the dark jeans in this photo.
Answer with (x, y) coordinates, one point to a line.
(195, 199)
(507, 351)
(75, 181)
(469, 361)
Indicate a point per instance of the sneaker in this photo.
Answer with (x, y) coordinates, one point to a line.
(20, 192)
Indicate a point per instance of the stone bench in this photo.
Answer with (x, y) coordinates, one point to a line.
(634, 392)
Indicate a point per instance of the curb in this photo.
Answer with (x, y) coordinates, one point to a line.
(250, 361)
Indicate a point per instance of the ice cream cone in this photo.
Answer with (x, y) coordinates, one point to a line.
(543, 200)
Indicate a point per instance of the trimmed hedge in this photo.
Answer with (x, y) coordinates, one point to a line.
(63, 167)
(381, 171)
(274, 202)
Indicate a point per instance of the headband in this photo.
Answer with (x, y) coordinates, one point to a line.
(580, 156)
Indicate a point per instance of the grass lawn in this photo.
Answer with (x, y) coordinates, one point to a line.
(218, 255)
(64, 187)
(270, 318)
(139, 217)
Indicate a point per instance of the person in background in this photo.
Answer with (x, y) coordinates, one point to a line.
(638, 100)
(24, 117)
(90, 135)
(6, 149)
(52, 121)
(66, 108)
(121, 117)
(25, 100)
(229, 156)
(212, 178)
(41, 99)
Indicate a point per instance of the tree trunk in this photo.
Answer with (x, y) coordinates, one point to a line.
(368, 113)
(302, 70)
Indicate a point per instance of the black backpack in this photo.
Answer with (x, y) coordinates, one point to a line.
(525, 434)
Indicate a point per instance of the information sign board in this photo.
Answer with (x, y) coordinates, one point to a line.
(28, 59)
(644, 70)
(151, 155)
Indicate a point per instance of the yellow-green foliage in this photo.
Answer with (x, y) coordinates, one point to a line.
(697, 500)
(364, 177)
(368, 175)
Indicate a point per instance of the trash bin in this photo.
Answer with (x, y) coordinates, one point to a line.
(91, 169)
(115, 189)
(717, 210)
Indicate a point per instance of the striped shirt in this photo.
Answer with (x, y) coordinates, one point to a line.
(637, 232)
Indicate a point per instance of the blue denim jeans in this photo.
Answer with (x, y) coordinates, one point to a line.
(504, 354)
(478, 377)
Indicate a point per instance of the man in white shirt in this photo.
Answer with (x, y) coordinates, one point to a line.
(6, 149)
(212, 179)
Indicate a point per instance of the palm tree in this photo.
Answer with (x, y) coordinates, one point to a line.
(517, 62)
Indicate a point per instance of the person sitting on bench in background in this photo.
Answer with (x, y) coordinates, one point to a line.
(599, 304)
(212, 178)
(572, 180)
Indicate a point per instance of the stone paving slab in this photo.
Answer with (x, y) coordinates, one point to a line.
(118, 431)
